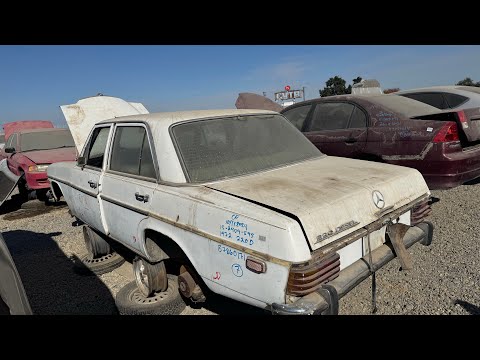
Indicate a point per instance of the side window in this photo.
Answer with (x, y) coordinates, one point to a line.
(297, 115)
(454, 100)
(96, 147)
(331, 116)
(433, 99)
(358, 119)
(146, 162)
(131, 152)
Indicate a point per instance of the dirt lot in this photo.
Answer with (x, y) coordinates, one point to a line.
(445, 278)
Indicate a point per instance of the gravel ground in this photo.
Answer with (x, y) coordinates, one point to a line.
(445, 278)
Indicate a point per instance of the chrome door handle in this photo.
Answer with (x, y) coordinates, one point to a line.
(92, 184)
(143, 198)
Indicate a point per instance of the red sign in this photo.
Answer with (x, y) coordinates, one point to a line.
(287, 88)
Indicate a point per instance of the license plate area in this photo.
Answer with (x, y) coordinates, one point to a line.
(358, 249)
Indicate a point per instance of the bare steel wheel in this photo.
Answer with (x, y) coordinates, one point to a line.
(87, 265)
(150, 278)
(130, 301)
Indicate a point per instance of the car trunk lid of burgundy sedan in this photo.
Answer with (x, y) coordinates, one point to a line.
(467, 121)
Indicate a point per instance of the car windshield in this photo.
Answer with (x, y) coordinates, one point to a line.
(220, 148)
(45, 140)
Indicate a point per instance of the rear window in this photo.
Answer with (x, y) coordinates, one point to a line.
(2, 138)
(220, 148)
(435, 99)
(455, 100)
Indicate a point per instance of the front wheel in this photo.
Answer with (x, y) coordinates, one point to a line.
(22, 188)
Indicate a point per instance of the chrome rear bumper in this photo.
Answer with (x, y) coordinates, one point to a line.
(325, 299)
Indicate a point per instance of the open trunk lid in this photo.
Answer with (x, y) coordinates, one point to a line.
(82, 116)
(331, 196)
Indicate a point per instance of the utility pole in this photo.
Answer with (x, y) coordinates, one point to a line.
(303, 93)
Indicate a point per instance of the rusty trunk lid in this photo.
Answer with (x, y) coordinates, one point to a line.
(330, 196)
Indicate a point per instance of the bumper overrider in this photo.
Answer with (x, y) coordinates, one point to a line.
(325, 300)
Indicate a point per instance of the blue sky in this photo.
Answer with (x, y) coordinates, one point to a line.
(36, 80)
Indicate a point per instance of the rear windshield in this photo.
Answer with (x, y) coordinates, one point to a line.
(2, 138)
(46, 140)
(220, 148)
(403, 106)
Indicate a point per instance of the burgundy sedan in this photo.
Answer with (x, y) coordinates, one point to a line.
(30, 151)
(442, 144)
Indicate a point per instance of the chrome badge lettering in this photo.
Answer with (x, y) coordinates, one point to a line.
(338, 229)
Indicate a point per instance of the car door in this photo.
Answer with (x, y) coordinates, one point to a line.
(87, 179)
(128, 183)
(338, 128)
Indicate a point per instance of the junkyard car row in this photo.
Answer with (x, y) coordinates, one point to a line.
(240, 203)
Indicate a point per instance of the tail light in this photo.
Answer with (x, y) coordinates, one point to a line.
(420, 212)
(308, 277)
(447, 133)
(462, 118)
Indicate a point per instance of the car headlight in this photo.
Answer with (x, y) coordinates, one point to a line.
(41, 167)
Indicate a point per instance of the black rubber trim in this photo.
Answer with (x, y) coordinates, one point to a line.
(128, 207)
(68, 183)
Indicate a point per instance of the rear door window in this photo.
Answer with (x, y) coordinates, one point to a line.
(358, 119)
(298, 115)
(434, 99)
(331, 116)
(131, 152)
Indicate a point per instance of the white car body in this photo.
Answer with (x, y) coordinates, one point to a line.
(282, 217)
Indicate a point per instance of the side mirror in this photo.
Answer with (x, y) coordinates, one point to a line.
(10, 150)
(81, 161)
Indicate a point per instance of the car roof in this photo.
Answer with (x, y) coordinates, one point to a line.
(174, 117)
(457, 89)
(23, 131)
(399, 104)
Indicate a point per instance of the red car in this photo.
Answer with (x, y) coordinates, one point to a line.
(444, 145)
(30, 147)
